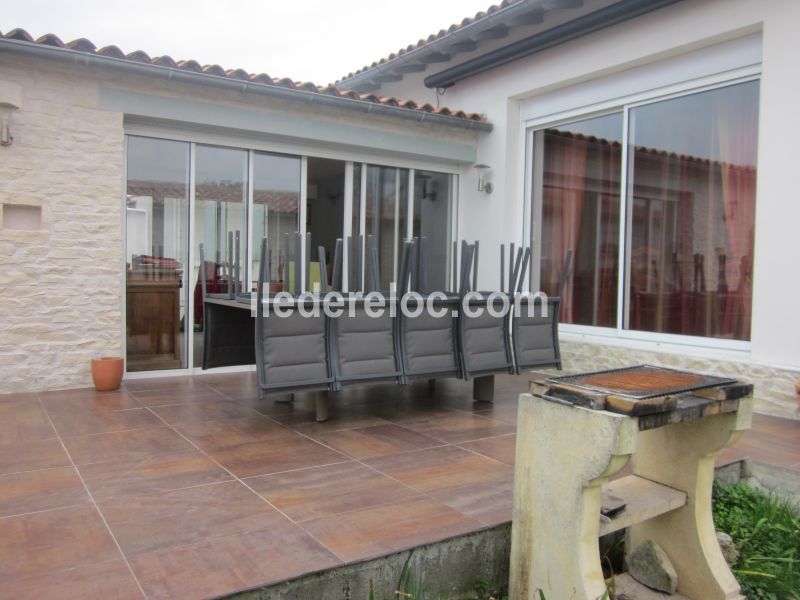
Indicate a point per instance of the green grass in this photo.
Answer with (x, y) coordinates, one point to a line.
(766, 531)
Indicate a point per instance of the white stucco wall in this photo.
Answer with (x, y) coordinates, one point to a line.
(61, 286)
(670, 32)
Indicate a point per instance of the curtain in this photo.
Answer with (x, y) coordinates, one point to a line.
(735, 128)
(565, 176)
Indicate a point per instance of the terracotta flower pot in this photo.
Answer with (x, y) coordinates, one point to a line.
(275, 287)
(797, 395)
(107, 373)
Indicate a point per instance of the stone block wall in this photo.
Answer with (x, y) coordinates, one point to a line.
(59, 285)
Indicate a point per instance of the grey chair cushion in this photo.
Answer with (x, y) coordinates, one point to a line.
(294, 349)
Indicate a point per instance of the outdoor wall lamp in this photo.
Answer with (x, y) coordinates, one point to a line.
(483, 185)
(10, 100)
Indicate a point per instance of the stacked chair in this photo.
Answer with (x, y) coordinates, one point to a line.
(292, 348)
(308, 350)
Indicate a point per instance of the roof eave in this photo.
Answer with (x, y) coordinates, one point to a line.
(272, 90)
(459, 35)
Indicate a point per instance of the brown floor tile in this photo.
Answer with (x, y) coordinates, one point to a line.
(103, 421)
(180, 517)
(274, 456)
(110, 481)
(23, 420)
(229, 564)
(377, 440)
(162, 397)
(490, 503)
(109, 581)
(188, 413)
(502, 448)
(462, 428)
(37, 543)
(121, 446)
(348, 420)
(322, 491)
(87, 400)
(443, 469)
(476, 486)
(407, 413)
(380, 530)
(231, 432)
(505, 412)
(182, 383)
(40, 490)
(27, 456)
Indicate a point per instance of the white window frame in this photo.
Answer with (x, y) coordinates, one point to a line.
(643, 340)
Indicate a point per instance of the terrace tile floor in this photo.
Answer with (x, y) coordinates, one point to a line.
(192, 487)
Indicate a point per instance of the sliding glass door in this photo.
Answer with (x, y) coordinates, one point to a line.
(182, 194)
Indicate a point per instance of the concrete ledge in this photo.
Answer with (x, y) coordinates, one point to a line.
(449, 569)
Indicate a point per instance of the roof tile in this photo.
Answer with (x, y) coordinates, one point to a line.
(433, 37)
(86, 46)
(81, 45)
(112, 51)
(50, 39)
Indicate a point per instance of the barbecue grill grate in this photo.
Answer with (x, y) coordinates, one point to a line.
(642, 381)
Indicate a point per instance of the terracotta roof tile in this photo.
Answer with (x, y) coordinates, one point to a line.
(85, 46)
(112, 51)
(50, 39)
(165, 61)
(433, 37)
(81, 45)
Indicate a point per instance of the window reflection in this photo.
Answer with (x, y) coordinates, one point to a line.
(276, 200)
(157, 218)
(220, 210)
(693, 210)
(431, 220)
(580, 197)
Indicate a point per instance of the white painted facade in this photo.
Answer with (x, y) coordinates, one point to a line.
(687, 46)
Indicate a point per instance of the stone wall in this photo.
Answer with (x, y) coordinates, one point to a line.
(774, 388)
(59, 285)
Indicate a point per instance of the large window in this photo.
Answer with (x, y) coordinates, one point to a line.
(686, 214)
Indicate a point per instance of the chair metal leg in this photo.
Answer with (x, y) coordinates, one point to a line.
(483, 388)
(321, 401)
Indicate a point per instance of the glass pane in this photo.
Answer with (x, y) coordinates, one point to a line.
(432, 221)
(157, 234)
(220, 208)
(385, 203)
(692, 213)
(276, 201)
(578, 179)
(324, 211)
